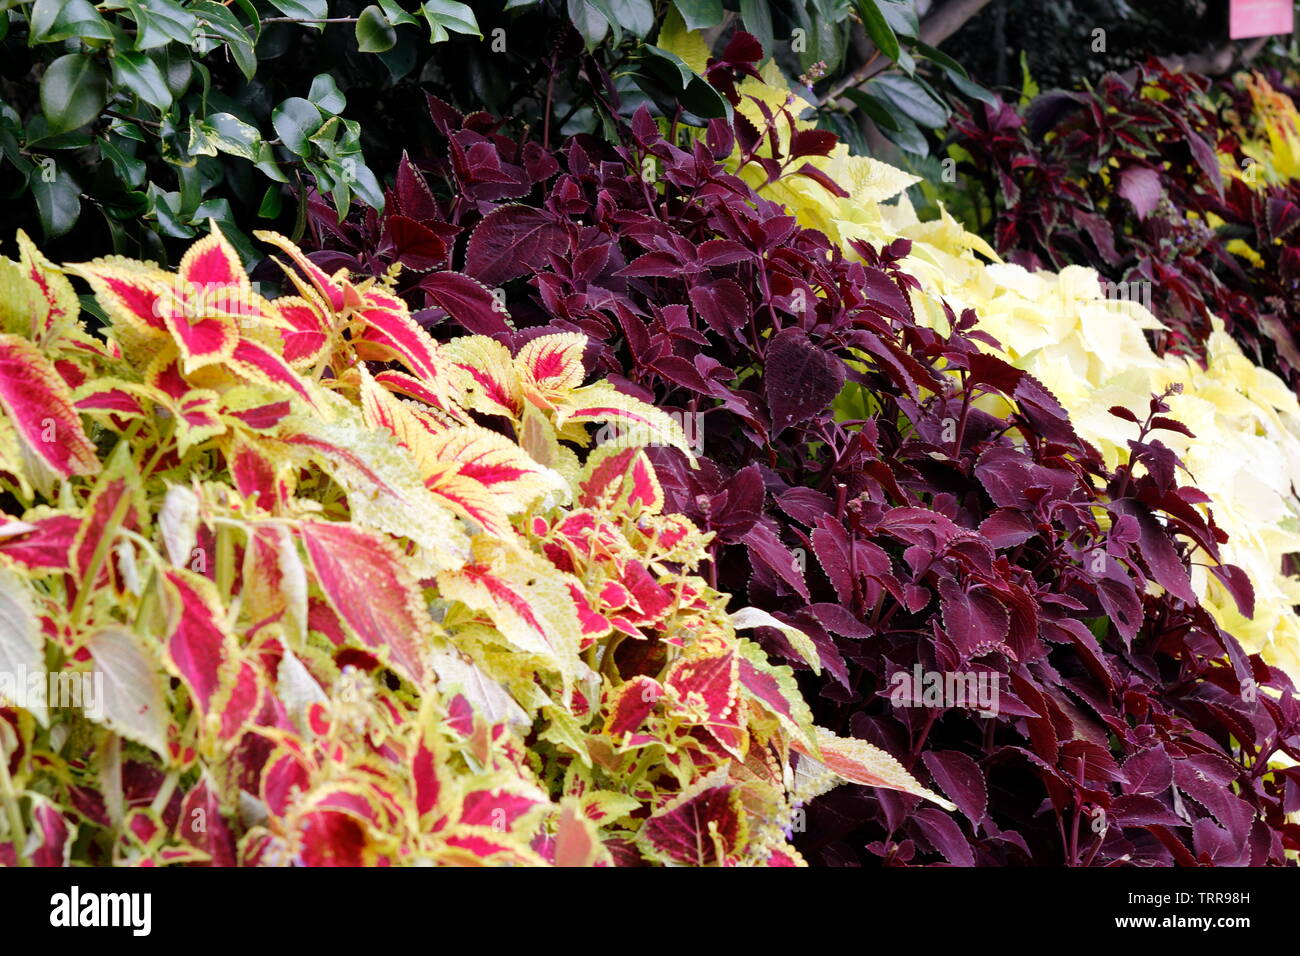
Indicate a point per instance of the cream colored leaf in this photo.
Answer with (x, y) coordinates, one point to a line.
(134, 700)
(22, 648)
(748, 617)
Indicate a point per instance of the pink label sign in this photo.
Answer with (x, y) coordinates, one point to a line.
(1260, 18)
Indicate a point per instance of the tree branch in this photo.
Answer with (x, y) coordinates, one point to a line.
(1213, 63)
(947, 19)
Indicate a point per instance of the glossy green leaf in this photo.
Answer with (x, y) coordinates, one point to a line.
(127, 130)
(221, 22)
(397, 14)
(901, 16)
(375, 33)
(296, 120)
(877, 27)
(940, 58)
(699, 14)
(636, 16)
(129, 169)
(303, 9)
(54, 20)
(606, 11)
(74, 90)
(879, 111)
(272, 203)
(325, 93)
(756, 15)
(588, 21)
(227, 133)
(58, 201)
(973, 90)
(141, 76)
(912, 98)
(449, 16)
(908, 137)
(956, 74)
(164, 207)
(160, 22)
(673, 74)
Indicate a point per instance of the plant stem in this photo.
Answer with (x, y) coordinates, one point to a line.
(164, 794)
(16, 829)
(310, 19)
(107, 533)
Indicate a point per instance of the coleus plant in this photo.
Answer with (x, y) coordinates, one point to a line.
(284, 581)
(907, 500)
(1146, 181)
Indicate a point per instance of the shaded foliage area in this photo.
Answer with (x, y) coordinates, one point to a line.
(1058, 43)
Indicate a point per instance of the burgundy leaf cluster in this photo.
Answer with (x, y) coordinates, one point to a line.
(859, 490)
(1124, 178)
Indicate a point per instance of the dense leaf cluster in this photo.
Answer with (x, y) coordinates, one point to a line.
(1149, 182)
(275, 593)
(914, 504)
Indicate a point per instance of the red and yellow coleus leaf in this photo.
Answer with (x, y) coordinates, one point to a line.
(431, 788)
(257, 475)
(485, 377)
(581, 540)
(38, 404)
(255, 362)
(197, 419)
(594, 624)
(524, 597)
(577, 839)
(401, 383)
(550, 367)
(304, 330)
(773, 688)
(202, 338)
(619, 478)
(131, 293)
(510, 476)
(857, 761)
(706, 687)
(111, 398)
(211, 263)
(705, 825)
(383, 485)
(479, 474)
(200, 322)
(631, 421)
(40, 543)
(334, 293)
(201, 651)
(388, 332)
(370, 587)
(628, 705)
(420, 436)
(57, 304)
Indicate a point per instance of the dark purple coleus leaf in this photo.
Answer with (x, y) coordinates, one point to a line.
(800, 380)
(414, 245)
(960, 779)
(511, 241)
(1141, 186)
(467, 302)
(723, 305)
